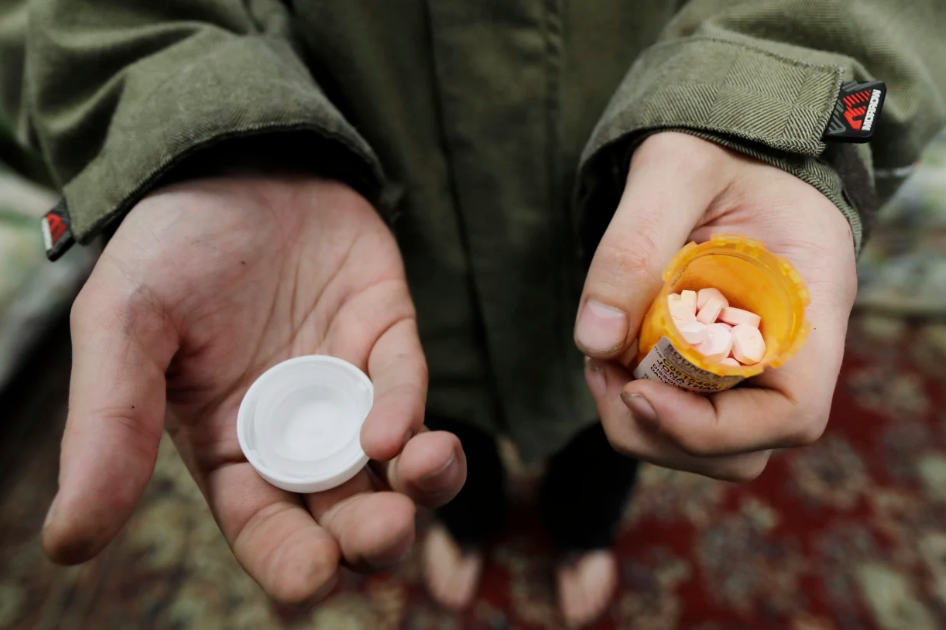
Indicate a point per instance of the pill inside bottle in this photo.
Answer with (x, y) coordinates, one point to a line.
(716, 336)
(737, 283)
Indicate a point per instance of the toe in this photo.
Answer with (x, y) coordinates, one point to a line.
(586, 588)
(470, 577)
(451, 576)
(567, 593)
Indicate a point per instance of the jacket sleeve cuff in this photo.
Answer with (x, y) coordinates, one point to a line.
(236, 87)
(770, 107)
(824, 174)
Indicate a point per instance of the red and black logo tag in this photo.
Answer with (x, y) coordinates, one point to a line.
(857, 112)
(57, 234)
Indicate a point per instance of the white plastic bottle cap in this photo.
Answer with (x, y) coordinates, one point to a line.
(299, 424)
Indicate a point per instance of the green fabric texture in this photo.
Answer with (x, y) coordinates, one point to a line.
(497, 134)
(762, 76)
(13, 149)
(120, 92)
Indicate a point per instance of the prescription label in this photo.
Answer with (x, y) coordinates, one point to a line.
(663, 363)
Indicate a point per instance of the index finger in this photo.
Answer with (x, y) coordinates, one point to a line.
(429, 468)
(399, 372)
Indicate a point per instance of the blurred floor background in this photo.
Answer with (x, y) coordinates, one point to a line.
(848, 534)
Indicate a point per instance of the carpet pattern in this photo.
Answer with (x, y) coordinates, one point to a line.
(848, 534)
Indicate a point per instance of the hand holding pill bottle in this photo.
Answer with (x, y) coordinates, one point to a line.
(770, 260)
(752, 316)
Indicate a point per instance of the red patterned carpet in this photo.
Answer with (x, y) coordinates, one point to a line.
(849, 534)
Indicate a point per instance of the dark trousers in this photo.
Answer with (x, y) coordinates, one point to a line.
(580, 499)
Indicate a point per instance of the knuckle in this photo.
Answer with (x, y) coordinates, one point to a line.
(82, 308)
(810, 427)
(755, 466)
(633, 263)
(87, 317)
(693, 442)
(681, 152)
(141, 435)
(422, 375)
(694, 446)
(295, 585)
(807, 436)
(77, 313)
(744, 470)
(745, 474)
(118, 310)
(617, 438)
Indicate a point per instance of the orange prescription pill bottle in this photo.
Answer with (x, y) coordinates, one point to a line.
(751, 278)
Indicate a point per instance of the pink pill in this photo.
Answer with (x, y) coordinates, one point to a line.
(689, 297)
(736, 316)
(730, 362)
(748, 346)
(693, 332)
(682, 311)
(705, 294)
(718, 343)
(720, 326)
(710, 311)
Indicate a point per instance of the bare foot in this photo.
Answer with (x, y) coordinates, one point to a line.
(452, 575)
(586, 586)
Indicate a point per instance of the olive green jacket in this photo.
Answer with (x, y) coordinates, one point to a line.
(494, 134)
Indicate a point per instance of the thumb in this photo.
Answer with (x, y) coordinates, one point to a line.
(116, 414)
(672, 180)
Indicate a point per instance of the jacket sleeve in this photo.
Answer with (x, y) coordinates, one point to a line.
(14, 152)
(763, 76)
(116, 93)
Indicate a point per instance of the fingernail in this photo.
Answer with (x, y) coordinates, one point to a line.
(641, 409)
(601, 328)
(51, 513)
(431, 481)
(594, 375)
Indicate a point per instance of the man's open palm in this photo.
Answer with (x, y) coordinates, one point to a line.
(204, 286)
